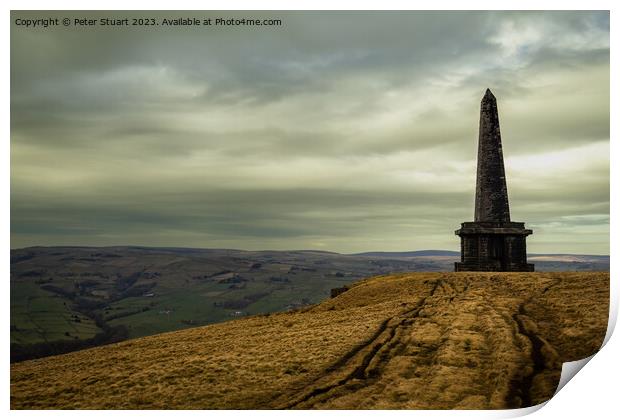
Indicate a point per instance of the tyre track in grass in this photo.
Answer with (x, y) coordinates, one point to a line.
(520, 394)
(344, 377)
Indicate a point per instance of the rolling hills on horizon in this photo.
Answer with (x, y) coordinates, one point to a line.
(417, 253)
(67, 298)
(405, 341)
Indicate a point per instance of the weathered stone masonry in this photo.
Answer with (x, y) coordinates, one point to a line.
(492, 242)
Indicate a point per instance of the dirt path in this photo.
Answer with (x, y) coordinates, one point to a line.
(466, 344)
(363, 365)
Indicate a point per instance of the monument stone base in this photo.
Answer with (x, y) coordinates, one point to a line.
(493, 246)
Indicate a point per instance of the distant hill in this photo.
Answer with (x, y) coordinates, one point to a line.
(570, 257)
(69, 298)
(406, 341)
(445, 253)
(424, 253)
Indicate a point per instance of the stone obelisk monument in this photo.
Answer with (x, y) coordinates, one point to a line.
(492, 242)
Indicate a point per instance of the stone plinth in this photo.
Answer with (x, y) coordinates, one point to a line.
(493, 247)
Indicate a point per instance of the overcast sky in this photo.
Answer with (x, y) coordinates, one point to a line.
(341, 131)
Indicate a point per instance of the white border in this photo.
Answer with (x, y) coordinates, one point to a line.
(593, 394)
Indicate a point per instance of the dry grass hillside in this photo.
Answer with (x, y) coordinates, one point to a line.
(410, 341)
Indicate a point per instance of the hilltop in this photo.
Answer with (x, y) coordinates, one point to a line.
(414, 340)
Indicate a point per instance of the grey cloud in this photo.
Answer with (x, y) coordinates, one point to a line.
(299, 135)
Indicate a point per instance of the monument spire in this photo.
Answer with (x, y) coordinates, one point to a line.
(492, 242)
(491, 191)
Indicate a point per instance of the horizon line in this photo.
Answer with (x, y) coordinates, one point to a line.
(281, 250)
